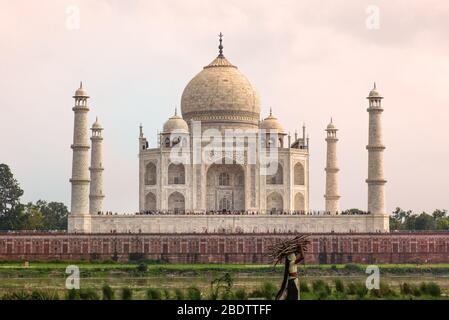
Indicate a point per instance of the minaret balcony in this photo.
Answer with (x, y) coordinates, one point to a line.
(378, 147)
(376, 181)
(80, 108)
(80, 146)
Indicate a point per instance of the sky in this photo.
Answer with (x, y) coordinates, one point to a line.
(308, 60)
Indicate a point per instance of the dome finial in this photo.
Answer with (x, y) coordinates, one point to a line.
(176, 111)
(271, 112)
(374, 94)
(80, 92)
(220, 47)
(97, 125)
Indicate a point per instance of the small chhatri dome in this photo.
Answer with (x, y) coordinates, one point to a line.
(220, 93)
(97, 124)
(175, 123)
(374, 93)
(81, 92)
(271, 123)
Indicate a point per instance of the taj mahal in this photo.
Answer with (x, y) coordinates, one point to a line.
(218, 167)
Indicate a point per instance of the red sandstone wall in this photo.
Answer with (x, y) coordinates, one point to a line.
(225, 248)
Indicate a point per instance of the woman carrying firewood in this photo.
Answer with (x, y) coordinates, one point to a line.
(292, 251)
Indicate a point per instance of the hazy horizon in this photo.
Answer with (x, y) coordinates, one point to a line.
(309, 61)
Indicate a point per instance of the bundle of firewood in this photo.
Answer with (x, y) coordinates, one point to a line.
(297, 245)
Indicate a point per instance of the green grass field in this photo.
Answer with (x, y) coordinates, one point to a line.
(168, 278)
(168, 266)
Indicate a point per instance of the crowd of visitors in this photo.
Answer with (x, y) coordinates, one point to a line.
(241, 212)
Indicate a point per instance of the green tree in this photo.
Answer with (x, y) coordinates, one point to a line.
(442, 224)
(45, 216)
(439, 214)
(14, 220)
(406, 220)
(441, 219)
(54, 214)
(353, 211)
(10, 191)
(424, 222)
(410, 223)
(11, 211)
(34, 218)
(15, 216)
(398, 219)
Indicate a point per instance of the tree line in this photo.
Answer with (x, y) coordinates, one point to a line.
(14, 215)
(407, 220)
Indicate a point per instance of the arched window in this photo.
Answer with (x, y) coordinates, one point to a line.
(150, 201)
(274, 202)
(299, 174)
(299, 202)
(150, 174)
(271, 142)
(176, 141)
(223, 179)
(176, 203)
(167, 142)
(277, 177)
(176, 174)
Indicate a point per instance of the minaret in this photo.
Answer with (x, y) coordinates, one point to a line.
(332, 197)
(96, 195)
(376, 181)
(79, 218)
(143, 145)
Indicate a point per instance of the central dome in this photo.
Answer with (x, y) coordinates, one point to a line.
(221, 94)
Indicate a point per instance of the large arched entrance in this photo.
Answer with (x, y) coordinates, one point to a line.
(176, 203)
(225, 187)
(275, 202)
